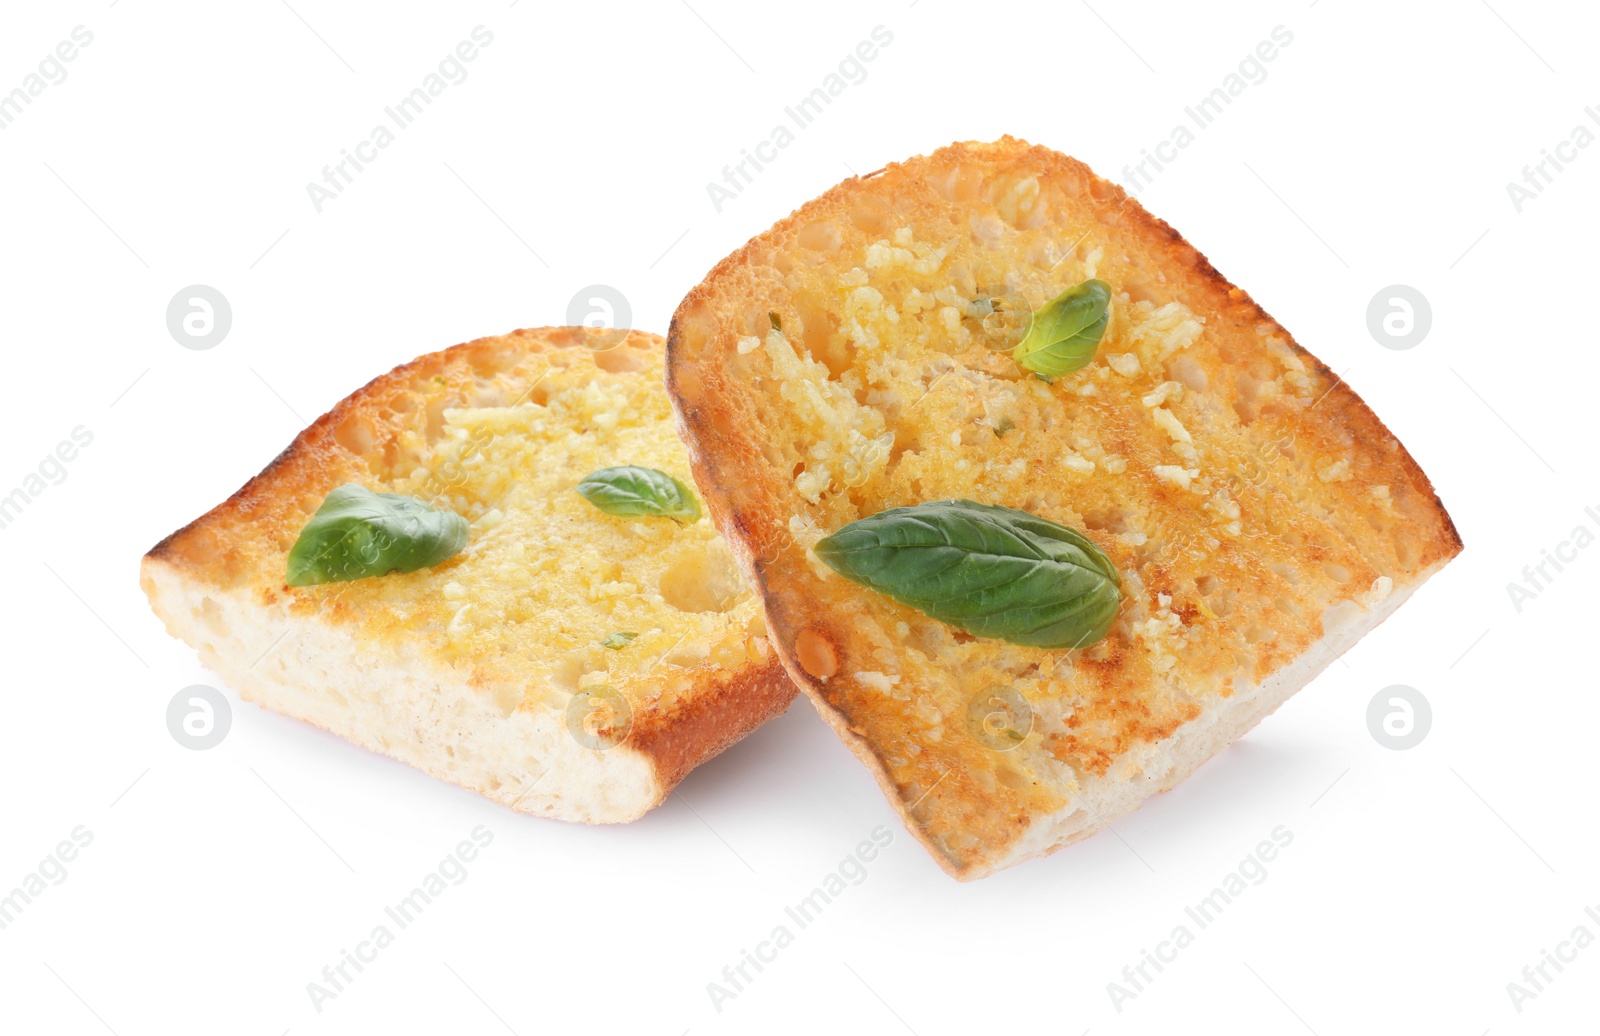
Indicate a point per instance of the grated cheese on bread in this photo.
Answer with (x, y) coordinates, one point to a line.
(1261, 516)
(468, 670)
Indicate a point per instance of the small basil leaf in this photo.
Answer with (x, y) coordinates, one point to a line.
(357, 533)
(1064, 332)
(633, 492)
(992, 571)
(618, 640)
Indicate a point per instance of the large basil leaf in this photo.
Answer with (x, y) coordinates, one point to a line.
(992, 571)
(1064, 333)
(357, 533)
(633, 492)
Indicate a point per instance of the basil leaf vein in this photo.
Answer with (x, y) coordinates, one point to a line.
(1064, 333)
(633, 492)
(992, 571)
(357, 533)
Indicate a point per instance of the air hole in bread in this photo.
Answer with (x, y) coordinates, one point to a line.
(835, 353)
(1011, 778)
(567, 673)
(210, 613)
(690, 389)
(1186, 371)
(704, 579)
(620, 359)
(816, 653)
(690, 332)
(355, 435)
(820, 338)
(871, 215)
(967, 183)
(491, 361)
(1337, 573)
(989, 230)
(488, 394)
(1207, 585)
(433, 424)
(1113, 521)
(722, 423)
(821, 236)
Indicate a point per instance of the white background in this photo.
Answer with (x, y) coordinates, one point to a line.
(219, 883)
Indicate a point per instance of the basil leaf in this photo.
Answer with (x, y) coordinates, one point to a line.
(1064, 332)
(357, 533)
(632, 492)
(618, 640)
(992, 571)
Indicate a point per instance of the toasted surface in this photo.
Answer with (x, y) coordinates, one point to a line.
(1261, 516)
(468, 669)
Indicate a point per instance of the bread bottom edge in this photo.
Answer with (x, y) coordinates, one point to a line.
(1165, 764)
(401, 704)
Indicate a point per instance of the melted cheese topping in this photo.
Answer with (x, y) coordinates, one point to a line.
(547, 576)
(893, 393)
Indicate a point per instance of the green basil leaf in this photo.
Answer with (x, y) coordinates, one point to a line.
(357, 533)
(1064, 333)
(632, 492)
(618, 640)
(992, 571)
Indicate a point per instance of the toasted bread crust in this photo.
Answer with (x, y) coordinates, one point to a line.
(239, 545)
(736, 415)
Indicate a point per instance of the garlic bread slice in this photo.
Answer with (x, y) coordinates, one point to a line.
(568, 662)
(862, 356)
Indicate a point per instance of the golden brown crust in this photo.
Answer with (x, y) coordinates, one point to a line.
(747, 446)
(316, 461)
(699, 726)
(242, 541)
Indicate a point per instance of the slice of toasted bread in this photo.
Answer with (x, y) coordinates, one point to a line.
(489, 669)
(1261, 517)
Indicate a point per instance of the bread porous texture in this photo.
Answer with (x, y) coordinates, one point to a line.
(567, 662)
(857, 357)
